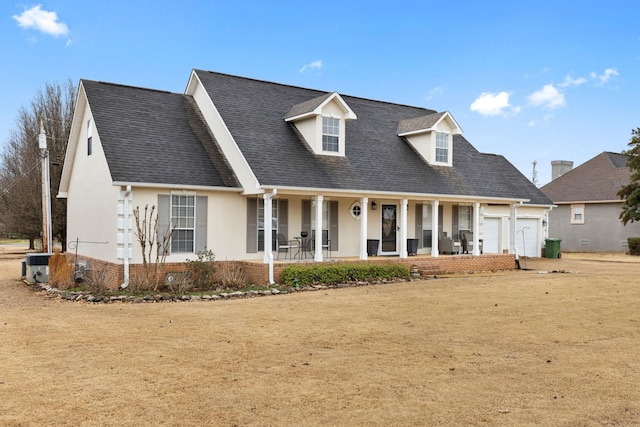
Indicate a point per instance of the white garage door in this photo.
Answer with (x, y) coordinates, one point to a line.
(527, 237)
(491, 236)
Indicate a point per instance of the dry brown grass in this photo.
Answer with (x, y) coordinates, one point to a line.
(521, 348)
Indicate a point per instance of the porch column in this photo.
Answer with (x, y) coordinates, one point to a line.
(364, 210)
(318, 243)
(476, 229)
(512, 228)
(434, 228)
(404, 206)
(268, 233)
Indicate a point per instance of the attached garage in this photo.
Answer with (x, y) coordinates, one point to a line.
(527, 237)
(491, 235)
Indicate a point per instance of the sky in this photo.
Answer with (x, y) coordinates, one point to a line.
(534, 81)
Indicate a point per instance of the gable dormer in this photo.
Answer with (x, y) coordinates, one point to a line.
(321, 122)
(431, 136)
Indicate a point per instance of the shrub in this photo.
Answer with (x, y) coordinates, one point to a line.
(231, 276)
(298, 275)
(201, 271)
(634, 245)
(60, 271)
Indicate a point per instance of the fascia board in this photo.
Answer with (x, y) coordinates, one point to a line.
(72, 143)
(223, 135)
(174, 186)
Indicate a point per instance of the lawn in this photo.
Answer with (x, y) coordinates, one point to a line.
(530, 347)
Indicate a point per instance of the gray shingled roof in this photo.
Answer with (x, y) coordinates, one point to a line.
(376, 158)
(419, 123)
(597, 179)
(306, 106)
(151, 136)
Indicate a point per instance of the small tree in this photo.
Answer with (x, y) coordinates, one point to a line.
(154, 246)
(630, 193)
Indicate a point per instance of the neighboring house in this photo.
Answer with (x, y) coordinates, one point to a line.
(588, 207)
(235, 161)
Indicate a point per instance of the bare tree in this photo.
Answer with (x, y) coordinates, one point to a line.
(154, 245)
(21, 190)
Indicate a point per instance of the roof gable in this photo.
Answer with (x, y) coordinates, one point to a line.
(155, 137)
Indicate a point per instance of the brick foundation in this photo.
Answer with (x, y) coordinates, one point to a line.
(258, 272)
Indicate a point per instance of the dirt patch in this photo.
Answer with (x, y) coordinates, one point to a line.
(519, 348)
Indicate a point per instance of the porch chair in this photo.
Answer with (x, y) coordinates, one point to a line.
(285, 245)
(467, 242)
(448, 245)
(326, 243)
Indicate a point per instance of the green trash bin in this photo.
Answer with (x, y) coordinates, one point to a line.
(552, 248)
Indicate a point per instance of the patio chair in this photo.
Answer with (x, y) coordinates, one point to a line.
(326, 243)
(467, 242)
(286, 246)
(448, 245)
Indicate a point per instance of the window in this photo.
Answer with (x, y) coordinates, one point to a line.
(577, 214)
(427, 226)
(330, 134)
(274, 224)
(89, 138)
(464, 218)
(183, 220)
(442, 147)
(355, 210)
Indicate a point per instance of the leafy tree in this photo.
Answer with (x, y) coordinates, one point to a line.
(630, 193)
(20, 175)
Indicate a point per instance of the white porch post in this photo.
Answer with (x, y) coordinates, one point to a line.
(364, 210)
(318, 243)
(434, 228)
(476, 228)
(404, 206)
(512, 229)
(268, 233)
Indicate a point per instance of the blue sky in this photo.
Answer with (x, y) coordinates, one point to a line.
(531, 80)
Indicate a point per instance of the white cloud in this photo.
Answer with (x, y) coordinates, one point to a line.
(41, 20)
(570, 81)
(548, 97)
(315, 65)
(492, 104)
(433, 92)
(606, 76)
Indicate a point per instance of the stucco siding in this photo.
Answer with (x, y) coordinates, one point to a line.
(602, 231)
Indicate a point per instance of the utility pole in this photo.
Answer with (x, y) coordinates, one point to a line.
(46, 191)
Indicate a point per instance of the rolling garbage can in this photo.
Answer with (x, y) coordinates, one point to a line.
(552, 248)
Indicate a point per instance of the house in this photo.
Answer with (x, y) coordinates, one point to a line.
(232, 155)
(587, 216)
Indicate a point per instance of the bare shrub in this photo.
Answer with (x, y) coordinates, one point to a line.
(231, 276)
(138, 283)
(96, 281)
(61, 271)
(179, 282)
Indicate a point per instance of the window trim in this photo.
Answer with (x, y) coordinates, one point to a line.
(327, 131)
(578, 209)
(442, 150)
(174, 220)
(89, 138)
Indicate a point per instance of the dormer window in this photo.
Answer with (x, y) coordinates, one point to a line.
(431, 136)
(442, 147)
(321, 123)
(330, 134)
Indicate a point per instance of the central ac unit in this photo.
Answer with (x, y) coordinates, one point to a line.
(37, 268)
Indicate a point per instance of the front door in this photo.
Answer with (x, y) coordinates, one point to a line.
(389, 230)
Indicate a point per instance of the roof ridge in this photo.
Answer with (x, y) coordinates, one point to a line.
(131, 86)
(430, 110)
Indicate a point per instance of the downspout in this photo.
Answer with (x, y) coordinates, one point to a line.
(125, 238)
